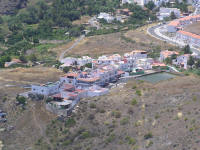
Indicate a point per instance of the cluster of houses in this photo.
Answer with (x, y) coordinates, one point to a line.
(178, 25)
(143, 2)
(156, 2)
(166, 12)
(12, 62)
(180, 61)
(92, 80)
(120, 15)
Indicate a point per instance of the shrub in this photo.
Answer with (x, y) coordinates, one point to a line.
(102, 110)
(85, 134)
(134, 102)
(92, 105)
(130, 140)
(5, 98)
(116, 114)
(110, 138)
(138, 92)
(67, 142)
(124, 121)
(91, 116)
(148, 136)
(70, 122)
(134, 87)
(21, 100)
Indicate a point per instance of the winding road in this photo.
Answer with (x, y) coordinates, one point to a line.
(70, 48)
(154, 31)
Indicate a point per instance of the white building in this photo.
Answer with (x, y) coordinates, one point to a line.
(143, 2)
(136, 54)
(189, 38)
(46, 89)
(165, 54)
(106, 17)
(166, 12)
(182, 60)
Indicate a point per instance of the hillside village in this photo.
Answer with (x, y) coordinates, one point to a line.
(87, 77)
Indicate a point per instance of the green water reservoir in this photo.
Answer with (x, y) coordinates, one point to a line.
(155, 78)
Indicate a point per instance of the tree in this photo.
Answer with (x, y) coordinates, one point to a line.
(23, 58)
(172, 15)
(174, 56)
(168, 60)
(191, 61)
(186, 49)
(21, 100)
(66, 69)
(197, 64)
(150, 5)
(88, 65)
(1, 20)
(33, 58)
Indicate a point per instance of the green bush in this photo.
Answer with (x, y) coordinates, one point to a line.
(148, 136)
(130, 140)
(138, 92)
(70, 122)
(85, 134)
(116, 114)
(92, 105)
(21, 100)
(124, 121)
(110, 138)
(134, 102)
(134, 87)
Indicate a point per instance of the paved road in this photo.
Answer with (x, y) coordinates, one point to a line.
(74, 45)
(155, 32)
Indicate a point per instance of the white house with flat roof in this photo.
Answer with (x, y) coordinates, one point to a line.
(166, 12)
(46, 89)
(106, 16)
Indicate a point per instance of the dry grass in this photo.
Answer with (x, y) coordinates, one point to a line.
(30, 75)
(83, 20)
(115, 43)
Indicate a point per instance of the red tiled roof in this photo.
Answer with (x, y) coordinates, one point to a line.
(57, 95)
(88, 79)
(120, 72)
(189, 34)
(72, 74)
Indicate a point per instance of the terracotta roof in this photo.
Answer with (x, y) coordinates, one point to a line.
(89, 79)
(177, 22)
(72, 74)
(120, 72)
(67, 86)
(57, 95)
(189, 34)
(16, 60)
(168, 53)
(158, 64)
(174, 23)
